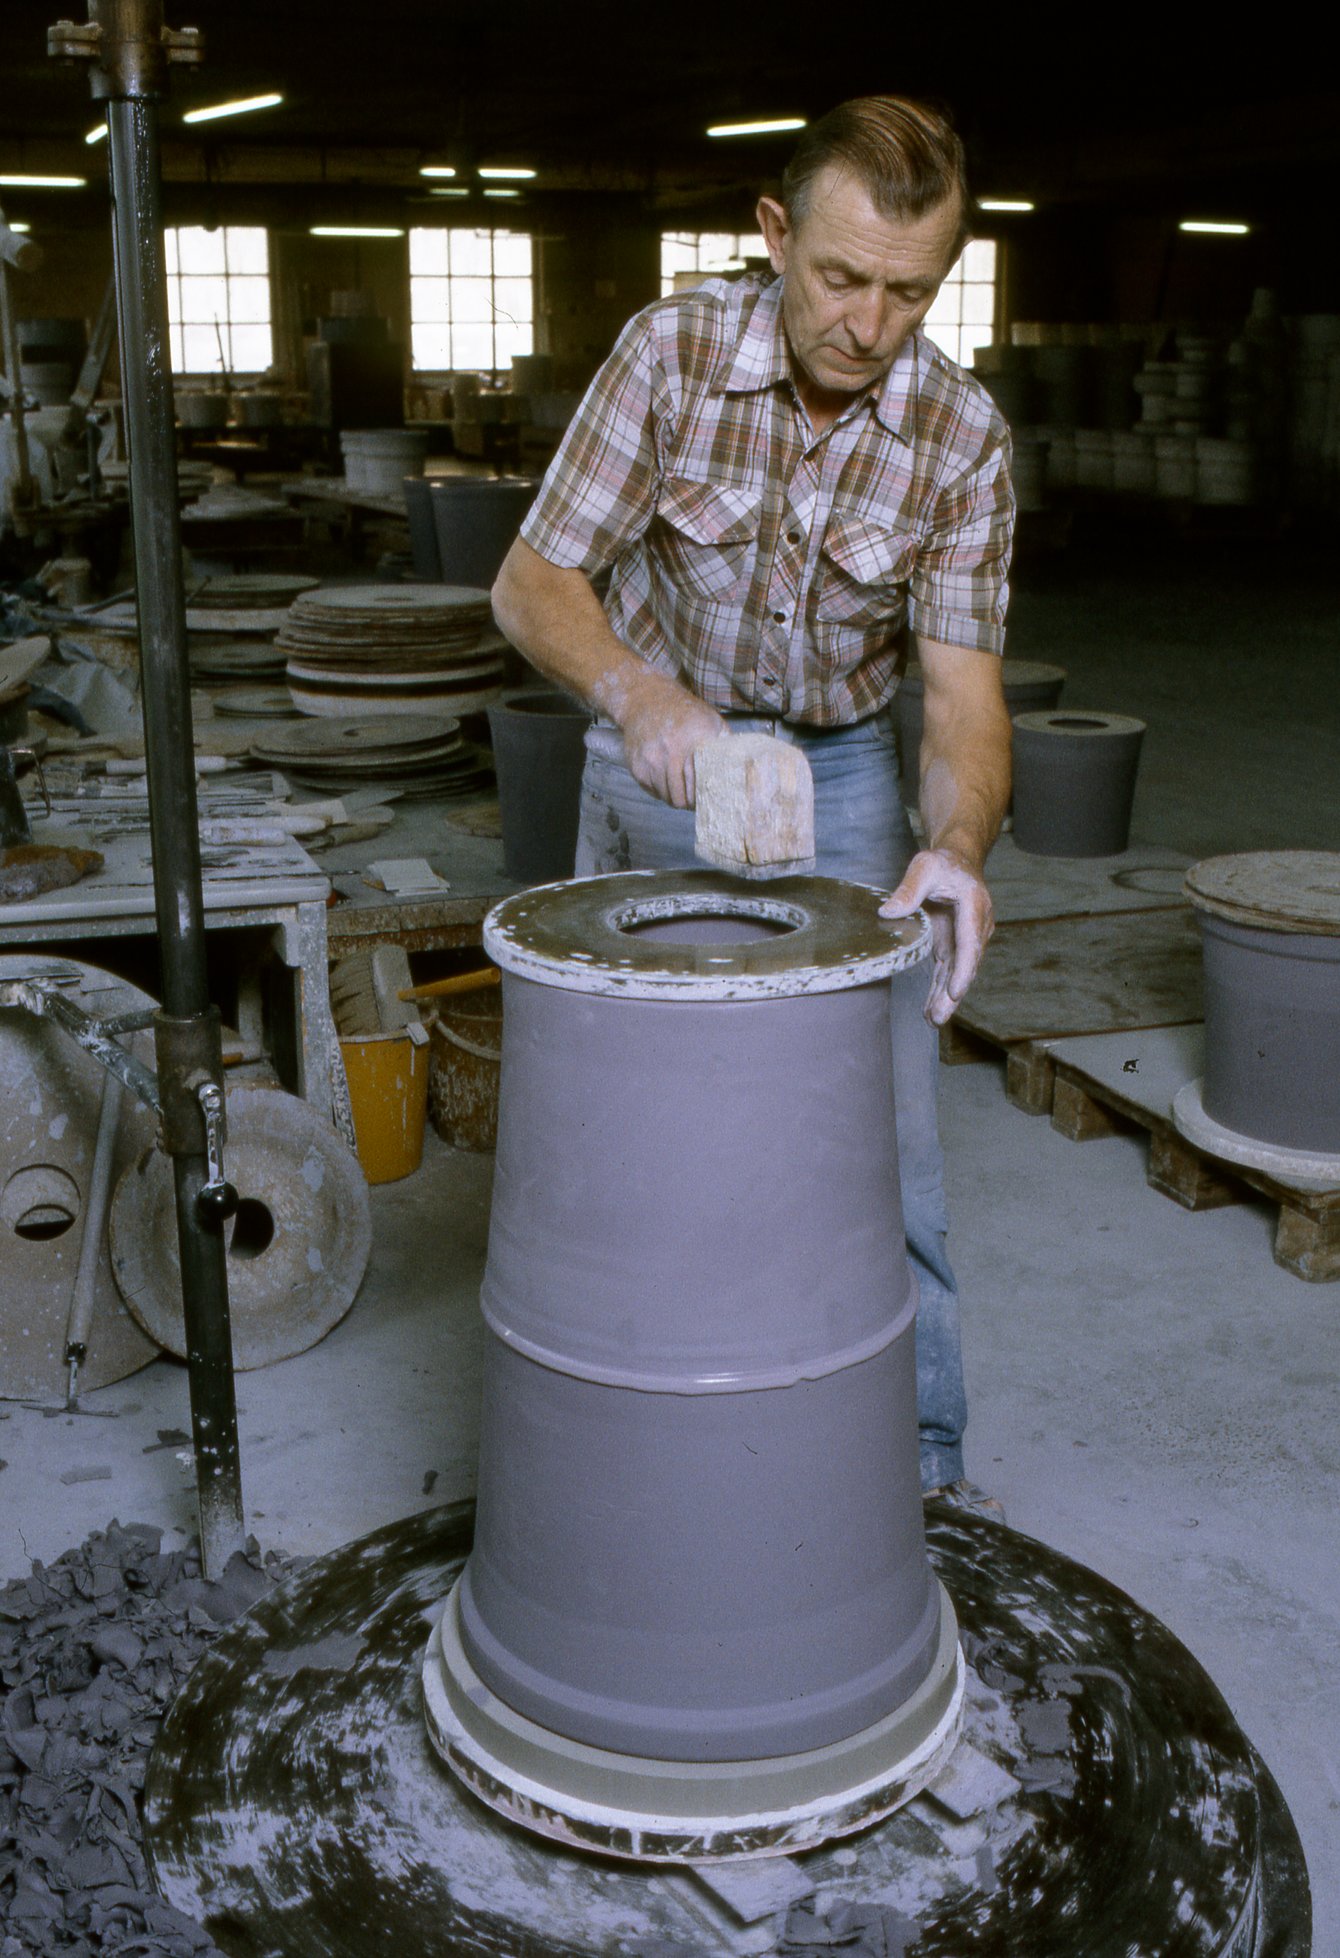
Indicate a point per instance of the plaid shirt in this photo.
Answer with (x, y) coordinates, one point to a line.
(771, 569)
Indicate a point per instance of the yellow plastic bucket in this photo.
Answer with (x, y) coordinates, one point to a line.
(388, 1095)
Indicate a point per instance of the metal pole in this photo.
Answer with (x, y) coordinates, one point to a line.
(130, 48)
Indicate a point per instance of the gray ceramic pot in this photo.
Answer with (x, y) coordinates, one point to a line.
(422, 529)
(1074, 782)
(539, 751)
(477, 520)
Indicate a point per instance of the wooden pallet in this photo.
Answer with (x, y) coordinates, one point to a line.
(1108, 1084)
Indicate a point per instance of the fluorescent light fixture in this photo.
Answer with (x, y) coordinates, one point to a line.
(355, 231)
(18, 224)
(241, 107)
(502, 193)
(775, 128)
(1209, 224)
(98, 133)
(437, 170)
(44, 183)
(506, 170)
(1005, 204)
(449, 193)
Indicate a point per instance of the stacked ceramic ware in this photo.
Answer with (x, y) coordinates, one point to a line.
(425, 756)
(392, 649)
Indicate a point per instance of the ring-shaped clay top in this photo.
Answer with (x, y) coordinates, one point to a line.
(611, 935)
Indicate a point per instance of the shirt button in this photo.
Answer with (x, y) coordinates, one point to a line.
(793, 536)
(779, 618)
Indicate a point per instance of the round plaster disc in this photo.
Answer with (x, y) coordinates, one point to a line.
(355, 739)
(50, 1104)
(1278, 890)
(411, 602)
(1103, 1800)
(246, 591)
(297, 1247)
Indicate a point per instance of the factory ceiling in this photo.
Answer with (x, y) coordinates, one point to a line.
(610, 96)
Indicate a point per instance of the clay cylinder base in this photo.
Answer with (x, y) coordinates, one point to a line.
(654, 1811)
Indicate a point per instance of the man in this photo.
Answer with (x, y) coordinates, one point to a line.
(784, 474)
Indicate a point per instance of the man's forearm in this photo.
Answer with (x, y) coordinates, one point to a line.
(556, 620)
(965, 762)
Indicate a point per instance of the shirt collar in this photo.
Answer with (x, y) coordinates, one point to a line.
(760, 360)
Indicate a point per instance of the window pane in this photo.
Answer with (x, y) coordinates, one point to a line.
(471, 301)
(170, 248)
(972, 338)
(512, 340)
(428, 300)
(753, 245)
(979, 305)
(203, 300)
(252, 348)
(472, 347)
(431, 343)
(944, 308)
(979, 259)
(247, 248)
(512, 299)
(511, 254)
(471, 252)
(249, 300)
(174, 350)
(678, 255)
(200, 250)
(428, 253)
(199, 350)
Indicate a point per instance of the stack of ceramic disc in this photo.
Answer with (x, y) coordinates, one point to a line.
(392, 649)
(425, 756)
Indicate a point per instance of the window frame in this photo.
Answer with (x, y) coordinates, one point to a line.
(496, 315)
(223, 363)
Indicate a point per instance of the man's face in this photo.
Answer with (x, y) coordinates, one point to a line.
(857, 283)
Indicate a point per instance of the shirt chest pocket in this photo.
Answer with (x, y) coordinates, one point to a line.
(863, 571)
(706, 536)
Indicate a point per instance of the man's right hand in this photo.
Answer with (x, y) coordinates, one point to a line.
(661, 723)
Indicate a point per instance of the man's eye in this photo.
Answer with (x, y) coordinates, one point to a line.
(834, 283)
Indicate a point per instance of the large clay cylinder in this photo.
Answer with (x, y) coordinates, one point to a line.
(1074, 782)
(699, 1535)
(1270, 926)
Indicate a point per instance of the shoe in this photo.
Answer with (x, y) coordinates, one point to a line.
(969, 1498)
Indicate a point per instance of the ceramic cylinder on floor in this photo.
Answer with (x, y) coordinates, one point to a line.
(1270, 928)
(1074, 782)
(539, 751)
(699, 1543)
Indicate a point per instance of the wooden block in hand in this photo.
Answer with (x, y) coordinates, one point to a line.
(754, 806)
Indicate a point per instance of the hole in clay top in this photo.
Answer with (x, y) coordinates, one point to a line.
(716, 920)
(1076, 720)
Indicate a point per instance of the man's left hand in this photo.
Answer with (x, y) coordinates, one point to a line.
(958, 905)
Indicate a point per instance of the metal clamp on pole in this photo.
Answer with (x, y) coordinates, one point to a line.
(217, 1200)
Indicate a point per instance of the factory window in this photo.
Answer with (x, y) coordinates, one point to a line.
(219, 299)
(471, 299)
(688, 257)
(964, 313)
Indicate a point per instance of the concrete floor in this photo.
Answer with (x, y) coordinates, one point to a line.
(1150, 1392)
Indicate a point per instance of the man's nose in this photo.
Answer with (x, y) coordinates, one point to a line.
(866, 320)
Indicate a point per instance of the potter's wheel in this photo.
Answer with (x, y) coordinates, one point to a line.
(293, 1803)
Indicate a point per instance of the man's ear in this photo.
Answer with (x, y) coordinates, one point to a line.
(773, 223)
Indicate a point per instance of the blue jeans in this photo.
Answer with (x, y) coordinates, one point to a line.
(862, 833)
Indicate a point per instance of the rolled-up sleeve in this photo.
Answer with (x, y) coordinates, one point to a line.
(599, 492)
(959, 590)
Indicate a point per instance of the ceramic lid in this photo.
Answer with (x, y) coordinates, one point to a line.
(1277, 890)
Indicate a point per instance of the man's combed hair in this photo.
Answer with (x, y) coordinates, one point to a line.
(908, 156)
